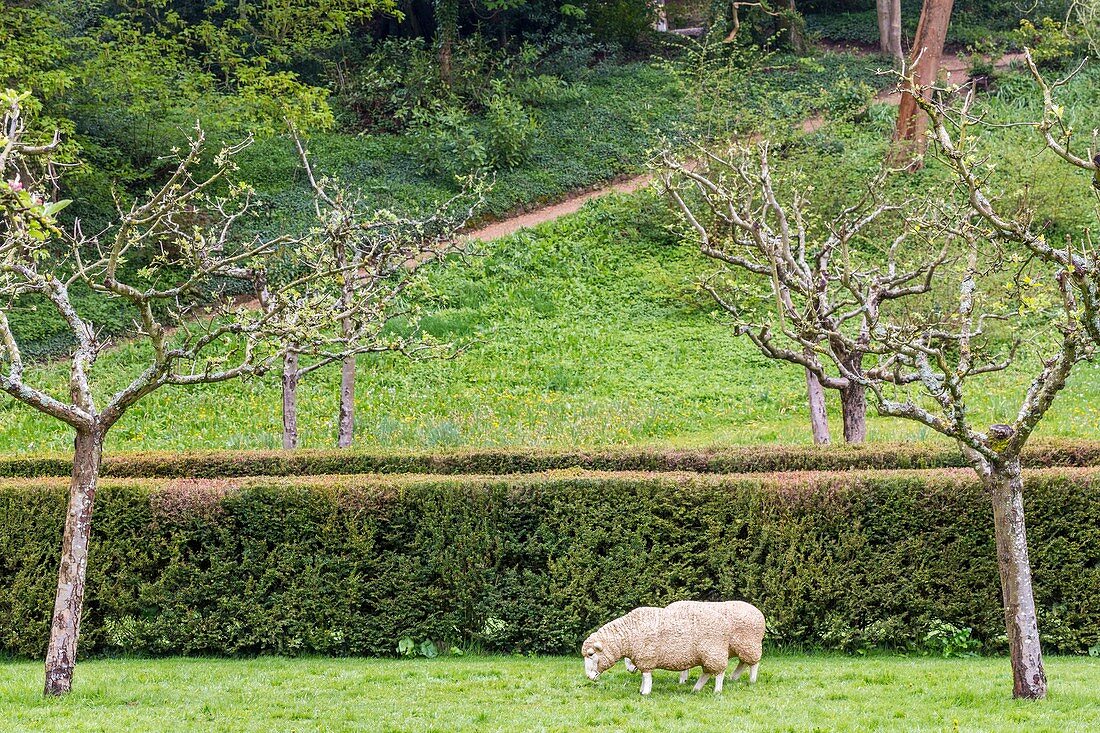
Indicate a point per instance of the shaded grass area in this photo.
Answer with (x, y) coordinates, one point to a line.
(589, 131)
(794, 693)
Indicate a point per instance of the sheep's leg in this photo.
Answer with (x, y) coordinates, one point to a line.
(703, 677)
(630, 666)
(647, 682)
(752, 673)
(684, 676)
(739, 670)
(718, 682)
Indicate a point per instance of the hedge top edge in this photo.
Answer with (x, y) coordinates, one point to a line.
(492, 461)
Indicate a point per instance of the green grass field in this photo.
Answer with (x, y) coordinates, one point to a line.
(589, 331)
(794, 693)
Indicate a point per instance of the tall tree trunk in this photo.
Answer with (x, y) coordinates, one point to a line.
(69, 601)
(446, 29)
(290, 400)
(347, 403)
(889, 28)
(853, 408)
(924, 61)
(895, 48)
(819, 419)
(795, 35)
(882, 12)
(1006, 488)
(446, 44)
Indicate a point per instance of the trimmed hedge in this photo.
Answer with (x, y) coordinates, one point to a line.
(532, 563)
(746, 459)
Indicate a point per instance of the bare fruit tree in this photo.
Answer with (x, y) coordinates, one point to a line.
(379, 254)
(736, 214)
(958, 132)
(927, 360)
(167, 257)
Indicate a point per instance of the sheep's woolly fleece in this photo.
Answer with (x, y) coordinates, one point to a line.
(684, 635)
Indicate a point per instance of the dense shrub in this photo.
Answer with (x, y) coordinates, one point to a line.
(742, 459)
(531, 564)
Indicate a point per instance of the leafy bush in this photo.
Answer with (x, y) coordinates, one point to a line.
(948, 640)
(533, 563)
(618, 21)
(446, 140)
(1050, 44)
(508, 128)
(847, 99)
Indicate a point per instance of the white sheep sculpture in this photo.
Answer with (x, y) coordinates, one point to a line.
(683, 635)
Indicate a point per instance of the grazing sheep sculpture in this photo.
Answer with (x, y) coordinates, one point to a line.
(686, 634)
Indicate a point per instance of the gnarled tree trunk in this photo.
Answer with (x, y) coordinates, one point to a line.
(349, 263)
(290, 400)
(1006, 489)
(910, 140)
(69, 601)
(853, 409)
(819, 419)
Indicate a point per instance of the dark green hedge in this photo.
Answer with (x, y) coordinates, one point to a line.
(747, 459)
(531, 563)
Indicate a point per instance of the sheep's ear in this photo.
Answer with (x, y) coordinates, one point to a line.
(598, 646)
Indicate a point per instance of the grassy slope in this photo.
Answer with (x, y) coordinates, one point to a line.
(588, 331)
(591, 131)
(794, 693)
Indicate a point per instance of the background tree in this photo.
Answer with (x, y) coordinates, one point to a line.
(378, 254)
(919, 78)
(184, 233)
(794, 258)
(889, 28)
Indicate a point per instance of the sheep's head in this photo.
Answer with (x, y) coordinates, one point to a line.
(596, 658)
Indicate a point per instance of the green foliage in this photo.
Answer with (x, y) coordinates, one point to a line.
(972, 23)
(446, 140)
(847, 100)
(619, 21)
(259, 33)
(1050, 44)
(508, 128)
(406, 647)
(451, 141)
(948, 640)
(347, 566)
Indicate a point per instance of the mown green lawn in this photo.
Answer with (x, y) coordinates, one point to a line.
(794, 693)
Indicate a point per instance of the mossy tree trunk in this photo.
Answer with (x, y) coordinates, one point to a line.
(1006, 490)
(69, 599)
